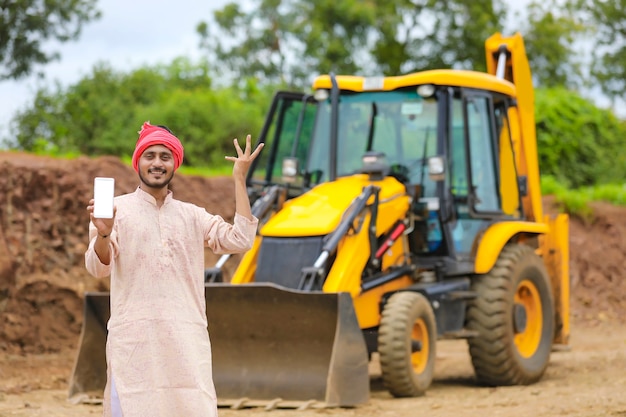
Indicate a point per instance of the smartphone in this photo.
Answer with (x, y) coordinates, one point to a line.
(103, 193)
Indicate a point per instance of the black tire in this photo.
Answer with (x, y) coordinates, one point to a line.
(407, 320)
(513, 315)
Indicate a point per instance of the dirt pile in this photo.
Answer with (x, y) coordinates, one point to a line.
(43, 237)
(598, 264)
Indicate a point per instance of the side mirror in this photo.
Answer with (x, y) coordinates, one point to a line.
(290, 169)
(436, 168)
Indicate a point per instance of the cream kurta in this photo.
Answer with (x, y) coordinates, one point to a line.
(158, 348)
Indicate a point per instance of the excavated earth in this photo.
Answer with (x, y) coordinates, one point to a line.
(43, 237)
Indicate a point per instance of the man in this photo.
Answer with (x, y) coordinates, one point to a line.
(158, 347)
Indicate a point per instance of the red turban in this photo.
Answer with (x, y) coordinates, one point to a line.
(154, 135)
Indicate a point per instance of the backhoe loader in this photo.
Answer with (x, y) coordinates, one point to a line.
(394, 212)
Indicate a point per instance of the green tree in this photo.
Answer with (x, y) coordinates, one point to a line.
(334, 36)
(286, 41)
(26, 24)
(207, 120)
(431, 34)
(289, 41)
(609, 63)
(102, 112)
(550, 36)
(251, 46)
(89, 116)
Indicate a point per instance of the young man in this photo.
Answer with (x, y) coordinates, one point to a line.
(158, 347)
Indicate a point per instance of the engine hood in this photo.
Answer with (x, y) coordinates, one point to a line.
(319, 211)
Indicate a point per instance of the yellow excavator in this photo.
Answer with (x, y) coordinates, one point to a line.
(394, 212)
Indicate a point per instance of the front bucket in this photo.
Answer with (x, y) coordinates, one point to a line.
(272, 347)
(277, 347)
(90, 369)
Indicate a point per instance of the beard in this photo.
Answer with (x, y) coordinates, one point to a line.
(156, 178)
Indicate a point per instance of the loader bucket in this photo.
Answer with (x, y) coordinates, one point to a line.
(276, 347)
(271, 347)
(90, 370)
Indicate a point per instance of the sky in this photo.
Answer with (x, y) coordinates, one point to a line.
(130, 34)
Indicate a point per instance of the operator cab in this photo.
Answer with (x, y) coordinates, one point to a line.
(441, 141)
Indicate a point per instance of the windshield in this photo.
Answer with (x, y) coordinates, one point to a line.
(401, 124)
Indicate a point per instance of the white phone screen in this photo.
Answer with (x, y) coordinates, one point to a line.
(103, 193)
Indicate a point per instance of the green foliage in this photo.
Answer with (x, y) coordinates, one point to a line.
(289, 41)
(251, 45)
(332, 33)
(285, 42)
(102, 113)
(573, 202)
(207, 121)
(576, 202)
(550, 34)
(550, 185)
(609, 63)
(25, 25)
(91, 116)
(454, 36)
(578, 143)
(211, 171)
(41, 147)
(612, 193)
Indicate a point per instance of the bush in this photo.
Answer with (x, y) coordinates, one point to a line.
(578, 143)
(102, 113)
(576, 201)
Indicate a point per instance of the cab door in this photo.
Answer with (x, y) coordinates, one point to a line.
(483, 178)
(286, 133)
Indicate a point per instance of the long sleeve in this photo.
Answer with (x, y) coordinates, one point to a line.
(223, 237)
(92, 262)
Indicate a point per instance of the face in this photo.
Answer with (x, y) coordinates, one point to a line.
(156, 166)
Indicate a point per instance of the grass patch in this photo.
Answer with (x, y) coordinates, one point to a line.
(576, 202)
(213, 171)
(43, 148)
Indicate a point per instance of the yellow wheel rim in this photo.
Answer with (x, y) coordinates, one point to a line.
(420, 359)
(528, 297)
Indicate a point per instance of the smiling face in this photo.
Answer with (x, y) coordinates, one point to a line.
(156, 167)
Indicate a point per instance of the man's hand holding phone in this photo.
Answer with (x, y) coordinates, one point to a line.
(101, 208)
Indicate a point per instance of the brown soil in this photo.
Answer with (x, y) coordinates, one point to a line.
(43, 237)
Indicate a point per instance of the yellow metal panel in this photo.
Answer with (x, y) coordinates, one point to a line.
(247, 266)
(460, 78)
(314, 213)
(319, 211)
(508, 175)
(396, 254)
(515, 129)
(496, 236)
(352, 256)
(367, 305)
(518, 72)
(555, 247)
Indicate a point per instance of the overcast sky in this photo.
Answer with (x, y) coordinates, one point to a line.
(130, 34)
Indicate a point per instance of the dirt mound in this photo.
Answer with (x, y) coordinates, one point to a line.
(43, 237)
(43, 316)
(598, 264)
